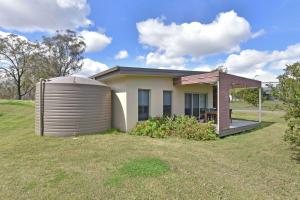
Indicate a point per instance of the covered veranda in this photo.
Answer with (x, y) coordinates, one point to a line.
(224, 82)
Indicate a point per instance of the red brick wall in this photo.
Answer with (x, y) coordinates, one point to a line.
(226, 82)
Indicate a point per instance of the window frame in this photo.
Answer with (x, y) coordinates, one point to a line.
(149, 104)
(192, 102)
(171, 109)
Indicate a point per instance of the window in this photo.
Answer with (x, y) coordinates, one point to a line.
(143, 104)
(188, 104)
(167, 103)
(195, 104)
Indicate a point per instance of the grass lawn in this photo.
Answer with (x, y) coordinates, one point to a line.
(256, 165)
(266, 105)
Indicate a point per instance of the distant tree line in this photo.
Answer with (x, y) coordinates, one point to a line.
(23, 62)
(249, 95)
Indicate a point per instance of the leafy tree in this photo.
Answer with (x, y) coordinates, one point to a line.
(250, 95)
(62, 53)
(221, 68)
(288, 91)
(7, 88)
(16, 56)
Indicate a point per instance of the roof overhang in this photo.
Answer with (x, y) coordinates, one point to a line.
(138, 71)
(214, 77)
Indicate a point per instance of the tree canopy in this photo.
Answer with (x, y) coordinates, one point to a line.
(16, 61)
(288, 91)
(249, 95)
(23, 63)
(62, 53)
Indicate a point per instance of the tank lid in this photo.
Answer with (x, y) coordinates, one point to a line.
(75, 80)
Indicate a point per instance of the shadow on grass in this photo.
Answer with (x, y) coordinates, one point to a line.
(112, 131)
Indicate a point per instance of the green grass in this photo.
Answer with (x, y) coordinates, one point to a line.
(17, 103)
(145, 167)
(266, 105)
(256, 165)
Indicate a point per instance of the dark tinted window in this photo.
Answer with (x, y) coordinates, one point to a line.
(188, 104)
(167, 103)
(196, 105)
(143, 104)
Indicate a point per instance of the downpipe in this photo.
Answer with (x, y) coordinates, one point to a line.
(42, 93)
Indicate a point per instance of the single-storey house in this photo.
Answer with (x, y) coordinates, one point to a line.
(141, 93)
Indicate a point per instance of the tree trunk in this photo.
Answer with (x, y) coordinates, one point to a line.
(19, 90)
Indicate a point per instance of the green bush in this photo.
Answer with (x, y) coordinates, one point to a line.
(288, 91)
(179, 126)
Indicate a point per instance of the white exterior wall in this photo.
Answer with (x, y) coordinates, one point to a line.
(119, 103)
(125, 97)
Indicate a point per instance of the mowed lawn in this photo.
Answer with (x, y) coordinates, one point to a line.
(256, 165)
(266, 105)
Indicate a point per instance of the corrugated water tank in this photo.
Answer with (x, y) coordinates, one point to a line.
(68, 106)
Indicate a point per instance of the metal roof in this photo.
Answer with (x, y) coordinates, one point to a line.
(144, 71)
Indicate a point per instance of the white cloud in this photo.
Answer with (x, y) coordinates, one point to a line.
(258, 33)
(261, 75)
(246, 60)
(249, 61)
(224, 34)
(174, 67)
(46, 15)
(4, 34)
(140, 58)
(95, 41)
(121, 55)
(162, 60)
(91, 67)
(204, 68)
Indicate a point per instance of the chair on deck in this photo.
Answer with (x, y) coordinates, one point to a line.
(211, 114)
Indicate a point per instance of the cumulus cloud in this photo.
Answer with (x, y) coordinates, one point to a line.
(4, 34)
(261, 75)
(95, 41)
(91, 67)
(46, 15)
(248, 61)
(162, 60)
(174, 67)
(121, 55)
(224, 34)
(204, 68)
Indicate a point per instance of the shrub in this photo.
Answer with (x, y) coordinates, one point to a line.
(179, 126)
(154, 127)
(288, 91)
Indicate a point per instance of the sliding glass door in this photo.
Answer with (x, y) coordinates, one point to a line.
(195, 103)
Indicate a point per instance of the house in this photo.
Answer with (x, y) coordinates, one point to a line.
(141, 93)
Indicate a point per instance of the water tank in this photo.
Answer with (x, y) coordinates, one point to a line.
(69, 106)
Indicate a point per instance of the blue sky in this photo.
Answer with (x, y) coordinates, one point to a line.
(248, 37)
